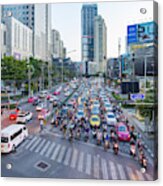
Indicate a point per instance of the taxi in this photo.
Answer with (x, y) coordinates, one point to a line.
(95, 121)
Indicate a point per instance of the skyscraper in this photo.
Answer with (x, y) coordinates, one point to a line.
(38, 18)
(100, 43)
(88, 13)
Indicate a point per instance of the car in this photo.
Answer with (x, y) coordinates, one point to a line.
(67, 93)
(32, 99)
(108, 107)
(48, 96)
(13, 115)
(39, 107)
(23, 117)
(55, 103)
(36, 102)
(44, 114)
(64, 110)
(53, 98)
(122, 132)
(80, 107)
(111, 119)
(95, 121)
(95, 111)
(43, 94)
(57, 93)
(96, 104)
(80, 114)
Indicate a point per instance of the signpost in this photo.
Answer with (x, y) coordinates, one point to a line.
(135, 97)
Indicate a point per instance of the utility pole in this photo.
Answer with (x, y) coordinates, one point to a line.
(29, 78)
(119, 53)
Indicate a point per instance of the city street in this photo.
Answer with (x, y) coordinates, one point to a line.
(51, 154)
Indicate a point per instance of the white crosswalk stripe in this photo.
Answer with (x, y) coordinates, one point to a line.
(113, 170)
(88, 164)
(45, 148)
(121, 172)
(96, 169)
(35, 144)
(80, 162)
(40, 146)
(140, 176)
(74, 158)
(130, 173)
(30, 143)
(24, 143)
(61, 154)
(104, 169)
(68, 156)
(56, 151)
(50, 150)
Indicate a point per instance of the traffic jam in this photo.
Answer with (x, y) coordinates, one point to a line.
(82, 110)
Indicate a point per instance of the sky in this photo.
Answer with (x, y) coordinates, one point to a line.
(66, 18)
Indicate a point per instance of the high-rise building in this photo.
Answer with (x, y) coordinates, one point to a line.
(100, 43)
(88, 13)
(38, 18)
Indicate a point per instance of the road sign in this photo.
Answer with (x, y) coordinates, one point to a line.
(135, 97)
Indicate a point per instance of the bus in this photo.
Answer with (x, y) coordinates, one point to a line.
(12, 136)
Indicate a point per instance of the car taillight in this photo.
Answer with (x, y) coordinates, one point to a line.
(8, 145)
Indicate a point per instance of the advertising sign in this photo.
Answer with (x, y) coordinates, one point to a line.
(142, 33)
(135, 97)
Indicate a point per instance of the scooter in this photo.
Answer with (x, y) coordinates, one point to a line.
(144, 163)
(116, 148)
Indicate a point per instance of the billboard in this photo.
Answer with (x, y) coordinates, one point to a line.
(142, 33)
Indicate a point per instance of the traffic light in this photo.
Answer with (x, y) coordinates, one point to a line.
(133, 57)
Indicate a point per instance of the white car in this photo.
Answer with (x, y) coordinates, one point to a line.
(108, 107)
(39, 107)
(67, 93)
(23, 117)
(96, 104)
(53, 98)
(111, 119)
(80, 114)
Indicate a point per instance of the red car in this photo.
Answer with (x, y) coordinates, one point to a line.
(13, 115)
(48, 97)
(122, 132)
(31, 99)
(56, 93)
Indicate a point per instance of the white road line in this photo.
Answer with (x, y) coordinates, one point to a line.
(130, 173)
(96, 167)
(40, 145)
(35, 144)
(68, 156)
(30, 143)
(80, 162)
(140, 176)
(88, 164)
(149, 177)
(50, 149)
(74, 158)
(113, 170)
(45, 148)
(104, 169)
(55, 153)
(61, 154)
(121, 172)
(24, 143)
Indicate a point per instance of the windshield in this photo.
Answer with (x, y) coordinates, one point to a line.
(13, 112)
(110, 116)
(4, 140)
(95, 119)
(80, 113)
(122, 129)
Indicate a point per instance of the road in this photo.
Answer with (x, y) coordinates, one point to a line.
(48, 154)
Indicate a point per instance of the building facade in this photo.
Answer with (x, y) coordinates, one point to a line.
(88, 13)
(3, 35)
(100, 43)
(18, 39)
(38, 18)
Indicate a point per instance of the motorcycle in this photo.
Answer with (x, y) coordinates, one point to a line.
(78, 134)
(70, 136)
(99, 138)
(144, 163)
(86, 136)
(115, 148)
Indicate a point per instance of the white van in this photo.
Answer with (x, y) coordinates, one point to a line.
(12, 136)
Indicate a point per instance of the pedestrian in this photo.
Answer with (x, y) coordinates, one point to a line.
(41, 125)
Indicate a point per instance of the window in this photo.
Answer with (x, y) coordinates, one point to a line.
(4, 38)
(4, 140)
(16, 134)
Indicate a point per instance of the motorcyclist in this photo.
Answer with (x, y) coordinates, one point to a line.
(106, 142)
(99, 137)
(115, 146)
(132, 148)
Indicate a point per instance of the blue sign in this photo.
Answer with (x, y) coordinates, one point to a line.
(142, 33)
(135, 97)
(132, 34)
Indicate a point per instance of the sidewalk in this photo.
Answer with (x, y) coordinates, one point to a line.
(149, 144)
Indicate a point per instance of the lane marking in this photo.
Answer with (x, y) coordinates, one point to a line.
(30, 143)
(121, 172)
(88, 164)
(45, 148)
(74, 158)
(35, 144)
(104, 169)
(96, 170)
(50, 150)
(68, 156)
(61, 154)
(80, 162)
(40, 145)
(56, 151)
(113, 170)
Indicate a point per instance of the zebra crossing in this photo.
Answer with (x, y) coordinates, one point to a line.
(84, 162)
